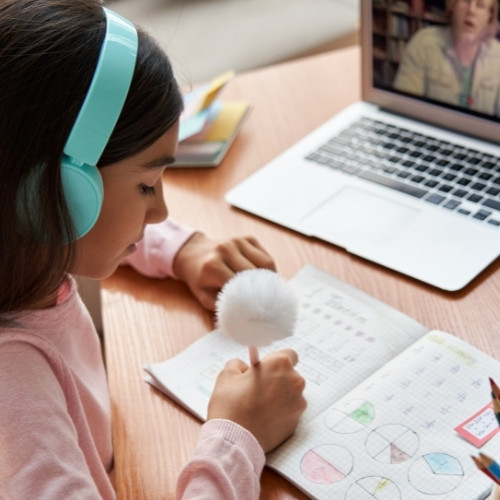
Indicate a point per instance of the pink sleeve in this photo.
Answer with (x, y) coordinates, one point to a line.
(227, 463)
(156, 252)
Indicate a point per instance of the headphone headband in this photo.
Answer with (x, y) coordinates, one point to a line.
(80, 178)
(107, 92)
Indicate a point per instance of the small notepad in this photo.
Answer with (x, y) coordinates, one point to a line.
(208, 126)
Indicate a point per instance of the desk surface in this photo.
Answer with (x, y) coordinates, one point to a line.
(150, 320)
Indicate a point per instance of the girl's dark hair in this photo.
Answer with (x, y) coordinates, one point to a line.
(48, 53)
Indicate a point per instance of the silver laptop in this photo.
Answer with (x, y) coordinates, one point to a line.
(404, 180)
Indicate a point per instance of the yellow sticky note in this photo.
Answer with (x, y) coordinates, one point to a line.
(214, 88)
(227, 121)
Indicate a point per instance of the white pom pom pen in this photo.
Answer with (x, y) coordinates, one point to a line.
(256, 307)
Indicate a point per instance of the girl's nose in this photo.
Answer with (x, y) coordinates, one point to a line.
(158, 210)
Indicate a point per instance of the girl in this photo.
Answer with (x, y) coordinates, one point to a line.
(55, 430)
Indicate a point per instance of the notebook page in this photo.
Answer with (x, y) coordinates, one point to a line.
(342, 336)
(393, 436)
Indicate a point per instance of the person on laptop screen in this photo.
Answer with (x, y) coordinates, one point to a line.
(458, 64)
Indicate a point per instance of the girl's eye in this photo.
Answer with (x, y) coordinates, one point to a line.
(148, 190)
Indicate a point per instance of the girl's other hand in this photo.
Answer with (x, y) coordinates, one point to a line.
(205, 265)
(266, 399)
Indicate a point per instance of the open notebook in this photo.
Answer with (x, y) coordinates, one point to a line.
(405, 180)
(395, 411)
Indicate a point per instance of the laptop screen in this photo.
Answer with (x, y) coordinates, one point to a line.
(442, 56)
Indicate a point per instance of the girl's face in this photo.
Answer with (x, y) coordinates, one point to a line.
(133, 197)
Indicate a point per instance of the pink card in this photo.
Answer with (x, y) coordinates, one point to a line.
(480, 427)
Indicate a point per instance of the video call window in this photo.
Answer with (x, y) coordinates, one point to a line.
(446, 51)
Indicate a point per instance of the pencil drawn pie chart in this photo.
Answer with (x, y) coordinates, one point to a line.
(353, 416)
(326, 464)
(392, 443)
(436, 474)
(373, 488)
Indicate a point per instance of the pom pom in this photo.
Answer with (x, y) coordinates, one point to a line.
(256, 307)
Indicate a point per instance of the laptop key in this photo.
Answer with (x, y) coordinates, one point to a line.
(393, 184)
(492, 204)
(313, 157)
(451, 204)
(471, 171)
(485, 176)
(474, 160)
(481, 214)
(435, 198)
(488, 165)
(429, 158)
(475, 198)
(460, 192)
(350, 169)
(478, 186)
(326, 148)
(408, 163)
(336, 164)
(417, 178)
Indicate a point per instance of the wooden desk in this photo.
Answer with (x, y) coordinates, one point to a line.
(151, 320)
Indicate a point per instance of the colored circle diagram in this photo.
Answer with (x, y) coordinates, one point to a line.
(435, 474)
(353, 416)
(373, 488)
(392, 443)
(326, 464)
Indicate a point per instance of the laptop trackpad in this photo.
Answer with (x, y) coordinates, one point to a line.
(354, 217)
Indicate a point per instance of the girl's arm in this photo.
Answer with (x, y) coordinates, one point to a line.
(170, 249)
(252, 410)
(156, 252)
(227, 463)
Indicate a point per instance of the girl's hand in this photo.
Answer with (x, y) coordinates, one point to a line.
(205, 265)
(266, 399)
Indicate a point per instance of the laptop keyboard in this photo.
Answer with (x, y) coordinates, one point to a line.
(446, 174)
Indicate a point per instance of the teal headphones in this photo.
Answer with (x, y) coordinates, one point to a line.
(81, 180)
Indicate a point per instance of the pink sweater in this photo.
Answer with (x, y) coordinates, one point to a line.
(55, 417)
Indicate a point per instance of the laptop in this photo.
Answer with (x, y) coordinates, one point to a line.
(407, 181)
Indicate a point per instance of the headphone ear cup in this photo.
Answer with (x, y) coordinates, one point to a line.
(83, 190)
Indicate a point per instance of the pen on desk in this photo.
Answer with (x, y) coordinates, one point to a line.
(492, 467)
